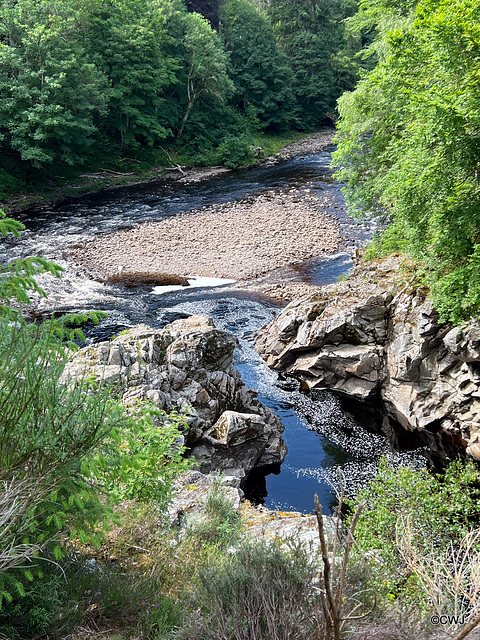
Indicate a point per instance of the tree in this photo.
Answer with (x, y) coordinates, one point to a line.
(131, 41)
(206, 65)
(409, 143)
(310, 32)
(260, 71)
(49, 92)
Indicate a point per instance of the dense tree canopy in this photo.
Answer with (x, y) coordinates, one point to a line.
(85, 80)
(260, 70)
(131, 44)
(311, 33)
(49, 91)
(409, 142)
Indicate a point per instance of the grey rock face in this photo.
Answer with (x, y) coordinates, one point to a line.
(188, 366)
(334, 339)
(369, 336)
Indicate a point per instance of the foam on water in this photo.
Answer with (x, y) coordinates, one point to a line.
(193, 283)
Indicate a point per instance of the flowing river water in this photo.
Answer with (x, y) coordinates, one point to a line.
(325, 435)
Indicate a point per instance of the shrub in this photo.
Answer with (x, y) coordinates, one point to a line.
(140, 458)
(47, 433)
(32, 614)
(162, 618)
(235, 152)
(221, 525)
(259, 592)
(63, 444)
(82, 592)
(416, 512)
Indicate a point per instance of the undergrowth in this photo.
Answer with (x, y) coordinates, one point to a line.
(206, 580)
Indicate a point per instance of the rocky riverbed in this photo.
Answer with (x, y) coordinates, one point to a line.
(235, 240)
(310, 144)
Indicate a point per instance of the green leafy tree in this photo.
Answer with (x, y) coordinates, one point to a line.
(311, 34)
(206, 65)
(132, 42)
(259, 69)
(409, 145)
(50, 93)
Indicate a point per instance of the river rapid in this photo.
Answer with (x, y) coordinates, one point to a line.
(326, 436)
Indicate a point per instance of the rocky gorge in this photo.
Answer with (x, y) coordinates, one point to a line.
(377, 336)
(187, 367)
(277, 231)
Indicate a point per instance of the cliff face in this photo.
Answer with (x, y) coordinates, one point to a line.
(370, 336)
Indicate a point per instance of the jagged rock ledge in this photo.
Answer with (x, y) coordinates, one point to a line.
(373, 336)
(188, 366)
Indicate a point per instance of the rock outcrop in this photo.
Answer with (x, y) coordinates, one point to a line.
(188, 366)
(372, 336)
(188, 508)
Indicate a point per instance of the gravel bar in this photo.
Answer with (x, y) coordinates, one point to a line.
(236, 240)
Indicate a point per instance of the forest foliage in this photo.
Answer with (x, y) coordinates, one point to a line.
(409, 140)
(84, 81)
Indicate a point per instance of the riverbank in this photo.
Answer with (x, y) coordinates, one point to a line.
(312, 143)
(377, 336)
(242, 241)
(170, 165)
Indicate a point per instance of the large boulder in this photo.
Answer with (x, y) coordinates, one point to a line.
(188, 366)
(372, 336)
(333, 339)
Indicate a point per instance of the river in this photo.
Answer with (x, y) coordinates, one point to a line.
(325, 435)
